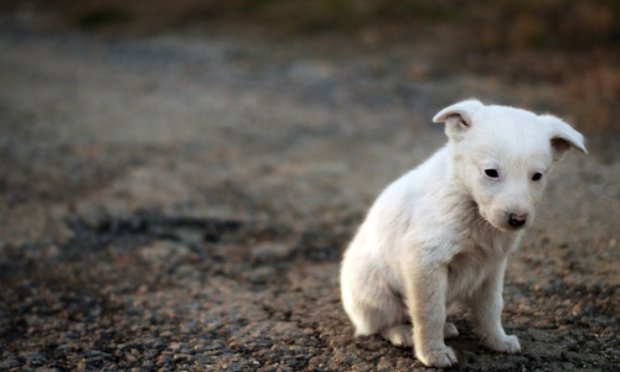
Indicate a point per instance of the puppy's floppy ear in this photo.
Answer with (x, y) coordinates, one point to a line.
(458, 117)
(563, 137)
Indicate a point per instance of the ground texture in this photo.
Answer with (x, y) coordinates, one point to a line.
(181, 202)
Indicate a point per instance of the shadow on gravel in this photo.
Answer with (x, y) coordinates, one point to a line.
(129, 232)
(315, 244)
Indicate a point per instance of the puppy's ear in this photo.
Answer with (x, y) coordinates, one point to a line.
(458, 117)
(563, 137)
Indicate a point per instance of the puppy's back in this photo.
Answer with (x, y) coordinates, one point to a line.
(391, 213)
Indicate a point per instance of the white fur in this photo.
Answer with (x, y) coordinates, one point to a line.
(441, 234)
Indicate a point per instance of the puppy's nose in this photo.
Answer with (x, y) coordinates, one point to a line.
(517, 220)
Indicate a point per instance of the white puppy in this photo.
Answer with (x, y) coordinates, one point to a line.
(441, 234)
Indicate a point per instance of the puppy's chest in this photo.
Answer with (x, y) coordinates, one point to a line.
(476, 261)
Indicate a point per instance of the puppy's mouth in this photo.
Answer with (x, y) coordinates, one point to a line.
(509, 228)
(503, 227)
(489, 222)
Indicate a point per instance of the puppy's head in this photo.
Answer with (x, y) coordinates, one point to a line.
(501, 156)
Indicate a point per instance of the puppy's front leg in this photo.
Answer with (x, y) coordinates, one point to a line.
(487, 305)
(426, 287)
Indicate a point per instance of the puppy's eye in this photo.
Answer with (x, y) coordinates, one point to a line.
(536, 176)
(491, 173)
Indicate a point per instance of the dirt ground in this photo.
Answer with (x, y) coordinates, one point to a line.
(181, 201)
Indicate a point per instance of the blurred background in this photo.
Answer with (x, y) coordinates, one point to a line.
(571, 44)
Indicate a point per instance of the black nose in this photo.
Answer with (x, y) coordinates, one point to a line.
(517, 221)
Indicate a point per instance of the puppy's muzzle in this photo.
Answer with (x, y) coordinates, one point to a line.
(517, 221)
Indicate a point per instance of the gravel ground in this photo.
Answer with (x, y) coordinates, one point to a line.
(181, 202)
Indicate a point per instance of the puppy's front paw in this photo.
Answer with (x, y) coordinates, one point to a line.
(441, 358)
(506, 344)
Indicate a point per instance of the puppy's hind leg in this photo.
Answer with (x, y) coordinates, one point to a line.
(402, 334)
(399, 335)
(376, 309)
(368, 299)
(378, 317)
(396, 329)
